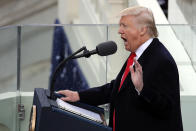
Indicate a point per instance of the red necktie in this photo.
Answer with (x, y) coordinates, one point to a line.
(129, 63)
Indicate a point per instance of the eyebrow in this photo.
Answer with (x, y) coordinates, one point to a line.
(123, 24)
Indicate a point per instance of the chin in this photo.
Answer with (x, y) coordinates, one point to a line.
(126, 48)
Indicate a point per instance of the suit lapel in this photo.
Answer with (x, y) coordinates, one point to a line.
(126, 81)
(118, 80)
(147, 53)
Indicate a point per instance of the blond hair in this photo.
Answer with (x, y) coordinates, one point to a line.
(144, 16)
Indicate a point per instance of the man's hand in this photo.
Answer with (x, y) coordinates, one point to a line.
(137, 76)
(70, 96)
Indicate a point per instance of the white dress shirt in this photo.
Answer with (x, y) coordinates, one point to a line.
(142, 48)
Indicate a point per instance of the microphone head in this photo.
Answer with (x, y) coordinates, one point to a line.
(106, 48)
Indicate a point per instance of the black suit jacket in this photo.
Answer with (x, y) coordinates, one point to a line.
(157, 108)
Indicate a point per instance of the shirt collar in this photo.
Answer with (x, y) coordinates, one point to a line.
(142, 48)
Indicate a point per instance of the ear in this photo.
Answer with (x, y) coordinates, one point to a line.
(143, 30)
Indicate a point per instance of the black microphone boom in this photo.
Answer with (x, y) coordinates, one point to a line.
(103, 49)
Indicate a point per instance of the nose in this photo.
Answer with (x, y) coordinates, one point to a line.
(120, 30)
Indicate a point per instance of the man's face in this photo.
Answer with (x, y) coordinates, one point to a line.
(129, 31)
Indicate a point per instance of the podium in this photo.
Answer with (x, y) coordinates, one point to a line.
(51, 118)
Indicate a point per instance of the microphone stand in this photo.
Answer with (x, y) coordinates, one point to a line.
(86, 53)
(60, 65)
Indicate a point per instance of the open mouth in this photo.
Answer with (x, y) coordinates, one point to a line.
(124, 39)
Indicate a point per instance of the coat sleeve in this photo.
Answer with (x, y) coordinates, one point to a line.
(97, 95)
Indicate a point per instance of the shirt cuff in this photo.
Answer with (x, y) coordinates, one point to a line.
(138, 92)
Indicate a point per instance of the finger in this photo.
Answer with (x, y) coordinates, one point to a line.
(136, 63)
(140, 70)
(138, 66)
(64, 92)
(65, 98)
(60, 92)
(132, 70)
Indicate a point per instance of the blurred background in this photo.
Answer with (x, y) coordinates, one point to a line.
(36, 35)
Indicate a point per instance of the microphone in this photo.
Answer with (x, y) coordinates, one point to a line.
(106, 48)
(103, 49)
